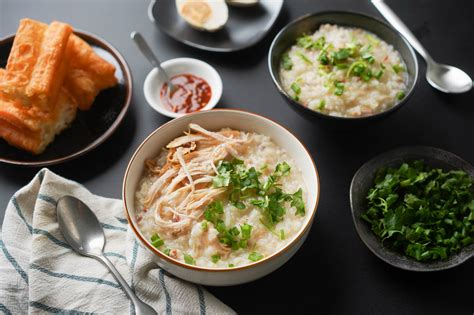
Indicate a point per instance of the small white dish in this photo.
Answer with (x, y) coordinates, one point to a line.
(154, 83)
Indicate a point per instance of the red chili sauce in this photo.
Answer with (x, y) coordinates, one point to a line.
(193, 94)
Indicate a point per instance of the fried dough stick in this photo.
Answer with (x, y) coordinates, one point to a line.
(37, 63)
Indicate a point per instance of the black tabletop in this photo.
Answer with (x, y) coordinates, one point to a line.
(333, 272)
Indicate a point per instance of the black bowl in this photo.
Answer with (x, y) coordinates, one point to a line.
(363, 180)
(309, 24)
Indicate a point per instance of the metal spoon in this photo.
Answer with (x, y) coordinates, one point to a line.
(155, 62)
(82, 231)
(447, 79)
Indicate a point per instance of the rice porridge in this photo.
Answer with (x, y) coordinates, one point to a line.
(343, 71)
(221, 199)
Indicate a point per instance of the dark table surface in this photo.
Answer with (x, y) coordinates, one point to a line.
(333, 272)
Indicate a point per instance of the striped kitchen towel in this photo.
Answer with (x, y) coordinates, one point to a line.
(40, 273)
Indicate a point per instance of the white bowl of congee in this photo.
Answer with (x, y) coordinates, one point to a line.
(221, 197)
(342, 65)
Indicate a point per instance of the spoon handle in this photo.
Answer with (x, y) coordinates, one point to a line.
(148, 53)
(141, 308)
(395, 21)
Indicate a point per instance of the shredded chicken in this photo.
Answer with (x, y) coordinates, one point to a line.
(182, 187)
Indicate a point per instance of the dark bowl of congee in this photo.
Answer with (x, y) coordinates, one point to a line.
(342, 66)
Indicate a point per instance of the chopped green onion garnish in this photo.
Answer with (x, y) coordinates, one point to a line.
(296, 88)
(286, 62)
(319, 43)
(215, 258)
(189, 259)
(304, 57)
(156, 241)
(254, 256)
(339, 88)
(282, 234)
(379, 74)
(204, 225)
(304, 41)
(167, 251)
(398, 68)
(400, 95)
(322, 104)
(231, 265)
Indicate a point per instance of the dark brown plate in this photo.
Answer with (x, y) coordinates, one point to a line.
(245, 27)
(364, 179)
(90, 128)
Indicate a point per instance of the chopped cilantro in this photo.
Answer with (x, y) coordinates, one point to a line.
(422, 212)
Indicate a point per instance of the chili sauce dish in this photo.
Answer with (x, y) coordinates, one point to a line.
(342, 66)
(221, 197)
(198, 87)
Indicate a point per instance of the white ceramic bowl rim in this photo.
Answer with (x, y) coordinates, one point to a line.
(211, 75)
(300, 234)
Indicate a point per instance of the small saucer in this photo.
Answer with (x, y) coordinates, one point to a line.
(153, 82)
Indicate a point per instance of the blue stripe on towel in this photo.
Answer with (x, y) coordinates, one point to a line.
(5, 310)
(47, 199)
(165, 289)
(51, 238)
(202, 301)
(122, 220)
(56, 310)
(41, 176)
(20, 214)
(112, 227)
(13, 262)
(74, 277)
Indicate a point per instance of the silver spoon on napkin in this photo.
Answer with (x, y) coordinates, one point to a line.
(447, 79)
(82, 231)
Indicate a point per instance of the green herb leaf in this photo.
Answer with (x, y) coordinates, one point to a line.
(421, 212)
(215, 258)
(296, 88)
(304, 57)
(286, 62)
(398, 68)
(189, 259)
(304, 41)
(254, 256)
(339, 88)
(156, 241)
(400, 95)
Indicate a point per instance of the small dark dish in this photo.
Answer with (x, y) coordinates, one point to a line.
(90, 128)
(363, 180)
(245, 27)
(309, 24)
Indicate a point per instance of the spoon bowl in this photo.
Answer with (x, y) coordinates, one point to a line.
(448, 79)
(81, 229)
